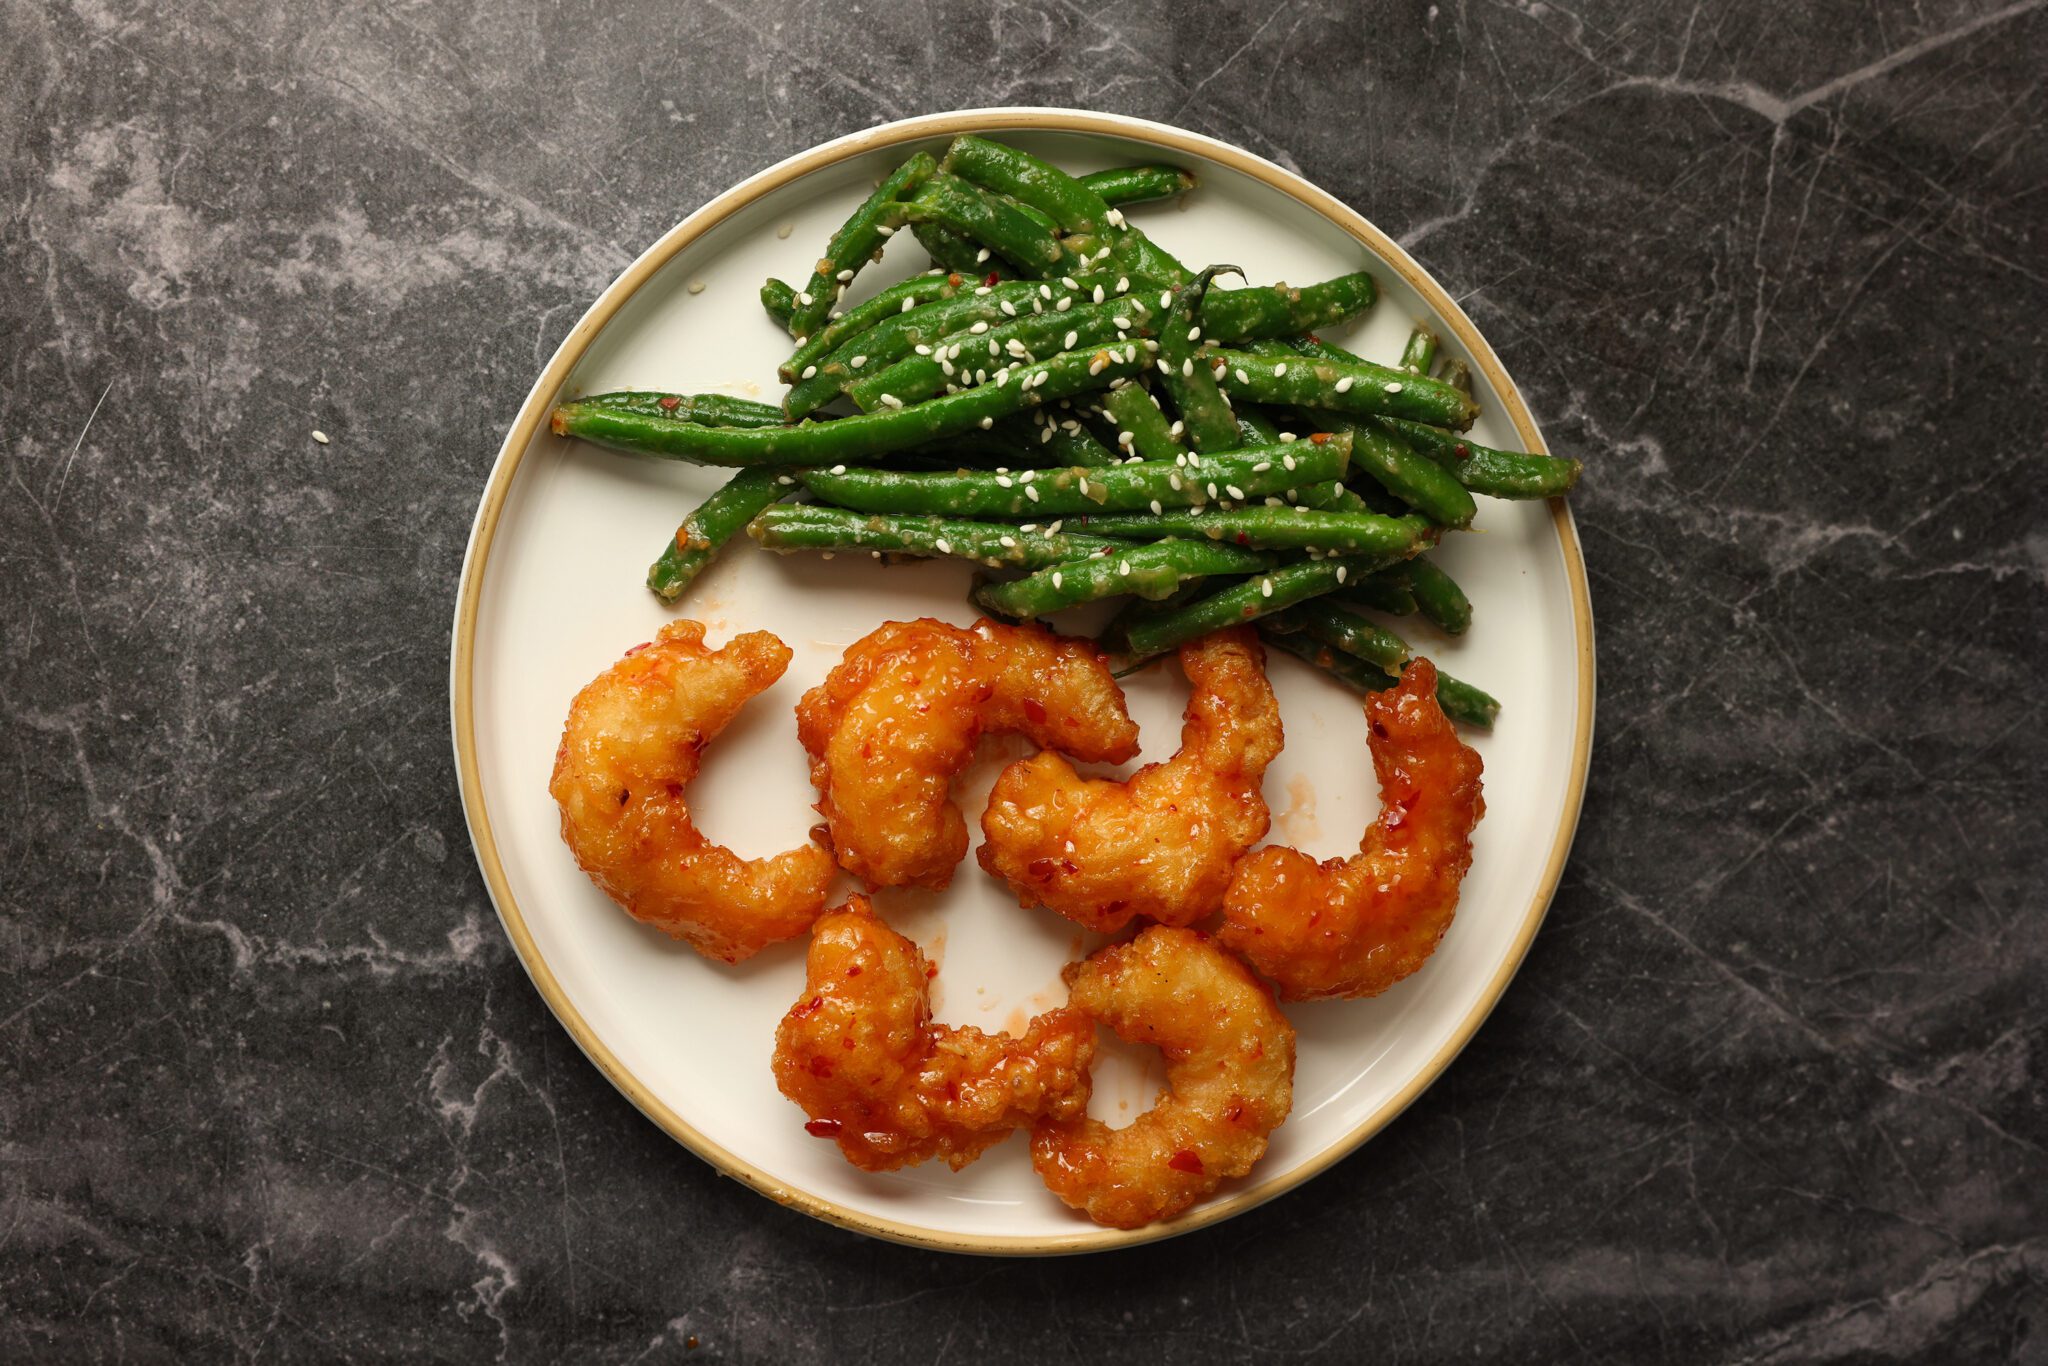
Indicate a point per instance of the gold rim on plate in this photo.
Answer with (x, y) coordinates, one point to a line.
(542, 398)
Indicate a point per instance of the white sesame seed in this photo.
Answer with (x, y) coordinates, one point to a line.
(1344, 385)
(1100, 254)
(980, 290)
(1099, 364)
(1028, 526)
(809, 372)
(839, 469)
(1342, 573)
(1066, 302)
(1394, 388)
(1044, 435)
(1194, 334)
(1177, 428)
(1071, 338)
(1009, 309)
(923, 350)
(1212, 489)
(1243, 378)
(1187, 368)
(1173, 482)
(1097, 295)
(993, 349)
(320, 436)
(885, 230)
(1156, 508)
(1279, 370)
(1015, 347)
(1058, 578)
(943, 546)
(1262, 467)
(1123, 283)
(981, 256)
(1121, 321)
(804, 299)
(978, 328)
(1002, 377)
(1233, 490)
(946, 367)
(1045, 291)
(987, 423)
(802, 341)
(1054, 529)
(891, 401)
(1124, 438)
(1007, 542)
(858, 361)
(785, 480)
(844, 275)
(1288, 437)
(1028, 476)
(1166, 298)
(1288, 461)
(1164, 368)
(1031, 493)
(1123, 567)
(1265, 588)
(696, 286)
(785, 230)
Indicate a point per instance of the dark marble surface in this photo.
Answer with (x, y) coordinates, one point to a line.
(1771, 1085)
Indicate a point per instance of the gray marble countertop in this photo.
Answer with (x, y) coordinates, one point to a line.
(1768, 1089)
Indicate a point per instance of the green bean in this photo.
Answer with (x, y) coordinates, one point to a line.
(991, 220)
(1266, 528)
(1149, 571)
(1261, 596)
(1052, 493)
(995, 544)
(867, 436)
(1347, 631)
(779, 299)
(1460, 701)
(1482, 469)
(1437, 595)
(711, 410)
(858, 241)
(1361, 388)
(956, 252)
(1255, 426)
(710, 526)
(1457, 374)
(1413, 478)
(915, 292)
(1136, 415)
(1188, 379)
(1138, 184)
(1230, 315)
(893, 338)
(970, 356)
(1384, 592)
(1419, 356)
(1071, 202)
(1057, 443)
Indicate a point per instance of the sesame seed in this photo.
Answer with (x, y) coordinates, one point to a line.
(1031, 493)
(1166, 298)
(1344, 385)
(1007, 542)
(1028, 526)
(885, 230)
(1342, 573)
(839, 469)
(1045, 291)
(1002, 377)
(1262, 467)
(786, 480)
(1071, 338)
(1015, 347)
(1187, 368)
(908, 304)
(1177, 428)
(1243, 378)
(1394, 388)
(981, 290)
(923, 350)
(891, 401)
(1265, 588)
(1233, 490)
(844, 275)
(1068, 281)
(1054, 529)
(981, 256)
(1115, 217)
(859, 361)
(943, 546)
(1123, 284)
(1121, 321)
(993, 349)
(1124, 438)
(978, 328)
(696, 286)
(1044, 435)
(804, 299)
(1058, 578)
(987, 423)
(1099, 364)
(320, 436)
(946, 367)
(1279, 370)
(1173, 482)
(1066, 302)
(1097, 295)
(1009, 309)
(785, 230)
(1288, 461)
(1212, 489)
(1164, 368)
(1194, 334)
(1156, 507)
(1123, 567)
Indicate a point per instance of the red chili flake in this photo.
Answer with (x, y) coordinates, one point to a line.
(820, 1068)
(1243, 539)
(1041, 868)
(807, 1008)
(992, 277)
(853, 971)
(954, 279)
(1314, 338)
(669, 403)
(1233, 1114)
(931, 970)
(1318, 438)
(1250, 612)
(1462, 451)
(1034, 711)
(690, 1343)
(822, 1128)
(638, 648)
(1187, 1161)
(1379, 728)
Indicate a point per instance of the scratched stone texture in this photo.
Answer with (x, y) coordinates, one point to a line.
(1773, 1085)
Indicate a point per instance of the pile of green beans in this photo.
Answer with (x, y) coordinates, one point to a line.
(1057, 398)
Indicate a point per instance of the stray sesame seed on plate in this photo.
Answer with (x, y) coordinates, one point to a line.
(696, 286)
(319, 436)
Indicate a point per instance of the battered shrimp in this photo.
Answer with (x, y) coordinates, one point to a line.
(632, 744)
(1163, 844)
(1354, 927)
(860, 1054)
(901, 714)
(1229, 1075)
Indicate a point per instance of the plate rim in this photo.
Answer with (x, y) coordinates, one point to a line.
(542, 397)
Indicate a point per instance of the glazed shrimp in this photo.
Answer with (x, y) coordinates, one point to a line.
(901, 714)
(1162, 844)
(1229, 1077)
(1354, 927)
(633, 742)
(860, 1054)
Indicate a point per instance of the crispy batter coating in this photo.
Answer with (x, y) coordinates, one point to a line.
(1162, 844)
(900, 715)
(1229, 1074)
(860, 1054)
(1354, 927)
(633, 742)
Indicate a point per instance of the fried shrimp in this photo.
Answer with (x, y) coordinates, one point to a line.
(1163, 843)
(1229, 1074)
(860, 1054)
(633, 742)
(900, 715)
(1354, 927)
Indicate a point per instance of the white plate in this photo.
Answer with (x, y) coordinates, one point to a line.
(551, 595)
